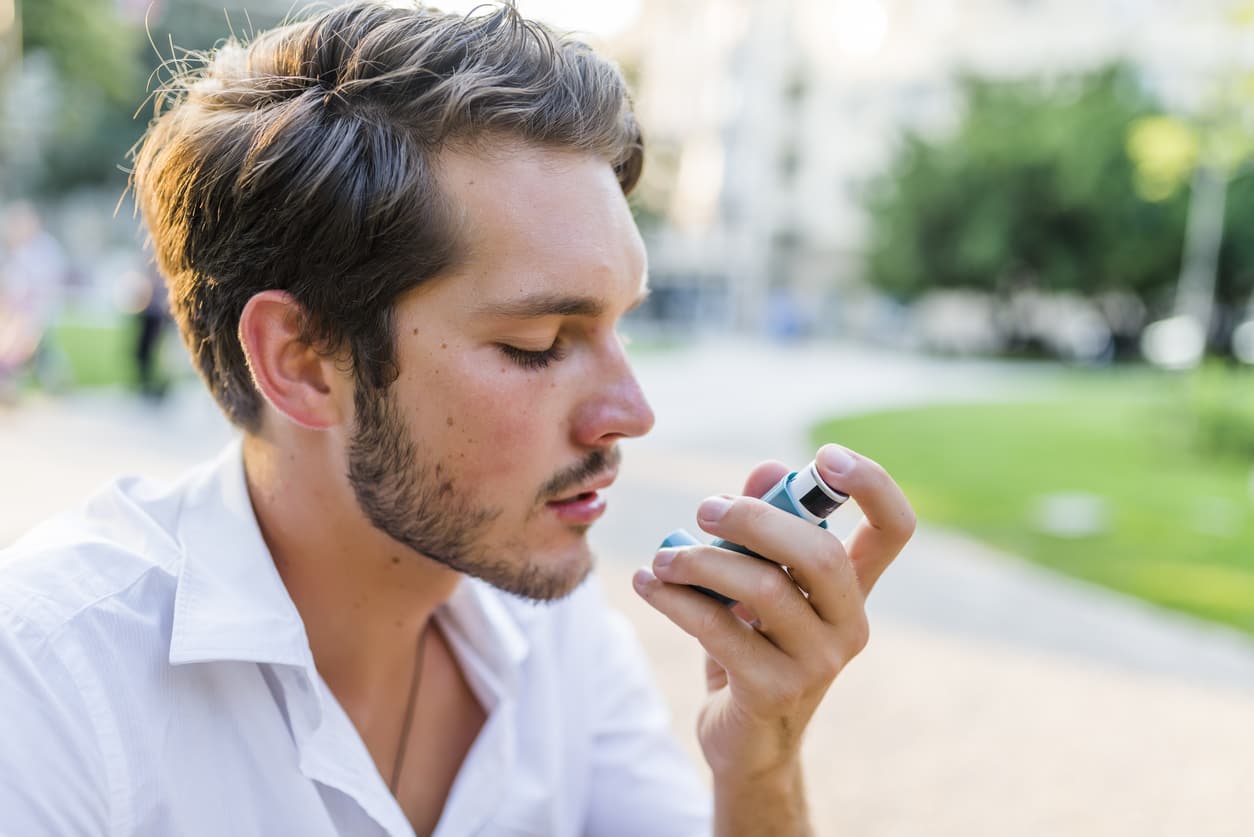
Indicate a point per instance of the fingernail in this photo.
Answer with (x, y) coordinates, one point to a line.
(712, 509)
(836, 459)
(643, 578)
(664, 558)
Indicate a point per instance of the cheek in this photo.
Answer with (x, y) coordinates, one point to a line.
(490, 423)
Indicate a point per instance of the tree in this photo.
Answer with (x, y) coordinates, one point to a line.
(1034, 189)
(1211, 147)
(90, 44)
(69, 107)
(102, 64)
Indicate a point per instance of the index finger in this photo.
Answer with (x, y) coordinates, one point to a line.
(890, 520)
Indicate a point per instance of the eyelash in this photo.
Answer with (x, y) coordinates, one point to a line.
(534, 360)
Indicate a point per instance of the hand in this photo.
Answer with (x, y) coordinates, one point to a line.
(771, 657)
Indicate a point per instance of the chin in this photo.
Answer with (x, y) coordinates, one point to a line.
(568, 573)
(539, 575)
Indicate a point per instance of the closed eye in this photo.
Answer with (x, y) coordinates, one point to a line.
(533, 360)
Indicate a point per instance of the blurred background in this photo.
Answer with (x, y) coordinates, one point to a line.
(1005, 247)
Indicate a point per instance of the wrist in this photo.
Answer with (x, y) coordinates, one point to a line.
(765, 802)
(780, 775)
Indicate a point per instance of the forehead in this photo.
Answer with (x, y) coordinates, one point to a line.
(531, 218)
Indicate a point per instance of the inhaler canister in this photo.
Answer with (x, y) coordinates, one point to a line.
(802, 493)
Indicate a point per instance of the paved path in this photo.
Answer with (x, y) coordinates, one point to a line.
(995, 698)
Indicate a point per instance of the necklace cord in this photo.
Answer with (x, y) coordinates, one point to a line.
(399, 764)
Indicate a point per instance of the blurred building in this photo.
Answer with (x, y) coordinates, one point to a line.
(765, 120)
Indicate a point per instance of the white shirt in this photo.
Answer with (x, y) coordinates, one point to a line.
(155, 679)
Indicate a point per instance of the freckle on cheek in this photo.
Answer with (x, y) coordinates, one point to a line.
(450, 421)
(444, 345)
(415, 331)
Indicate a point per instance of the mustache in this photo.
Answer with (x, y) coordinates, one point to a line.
(595, 464)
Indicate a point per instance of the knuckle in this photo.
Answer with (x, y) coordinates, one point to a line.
(830, 663)
(857, 634)
(828, 561)
(751, 509)
(686, 564)
(712, 620)
(910, 520)
(773, 584)
(681, 561)
(877, 469)
(906, 523)
(786, 689)
(742, 645)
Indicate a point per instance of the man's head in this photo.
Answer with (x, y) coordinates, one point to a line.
(406, 233)
(307, 162)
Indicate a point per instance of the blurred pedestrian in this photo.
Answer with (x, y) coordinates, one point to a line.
(33, 271)
(152, 316)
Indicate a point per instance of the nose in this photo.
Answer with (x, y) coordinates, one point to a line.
(615, 408)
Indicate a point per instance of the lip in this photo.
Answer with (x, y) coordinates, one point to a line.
(583, 507)
(581, 512)
(603, 481)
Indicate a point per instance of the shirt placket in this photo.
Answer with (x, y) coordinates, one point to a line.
(480, 788)
(331, 753)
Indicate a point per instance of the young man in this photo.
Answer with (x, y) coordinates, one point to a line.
(398, 248)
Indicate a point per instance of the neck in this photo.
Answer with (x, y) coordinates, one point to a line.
(363, 597)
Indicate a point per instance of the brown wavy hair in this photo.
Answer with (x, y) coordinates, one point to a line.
(305, 161)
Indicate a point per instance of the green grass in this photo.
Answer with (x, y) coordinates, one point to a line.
(99, 352)
(96, 354)
(1180, 513)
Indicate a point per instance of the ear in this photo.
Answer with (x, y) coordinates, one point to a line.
(294, 377)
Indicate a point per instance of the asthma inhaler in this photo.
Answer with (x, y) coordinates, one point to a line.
(802, 493)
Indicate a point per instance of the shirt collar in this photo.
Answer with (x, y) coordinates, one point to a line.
(486, 628)
(231, 603)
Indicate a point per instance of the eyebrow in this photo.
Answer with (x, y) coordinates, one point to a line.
(551, 305)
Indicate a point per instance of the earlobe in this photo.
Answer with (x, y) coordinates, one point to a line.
(292, 375)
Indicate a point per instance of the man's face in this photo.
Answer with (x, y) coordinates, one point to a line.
(487, 452)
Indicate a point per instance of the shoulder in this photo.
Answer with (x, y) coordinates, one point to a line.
(84, 598)
(118, 545)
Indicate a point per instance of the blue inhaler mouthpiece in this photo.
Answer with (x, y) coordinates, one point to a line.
(802, 493)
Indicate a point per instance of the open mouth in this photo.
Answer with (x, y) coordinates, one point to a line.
(579, 509)
(578, 498)
(584, 507)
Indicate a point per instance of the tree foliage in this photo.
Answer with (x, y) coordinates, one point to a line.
(1037, 188)
(89, 43)
(105, 63)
